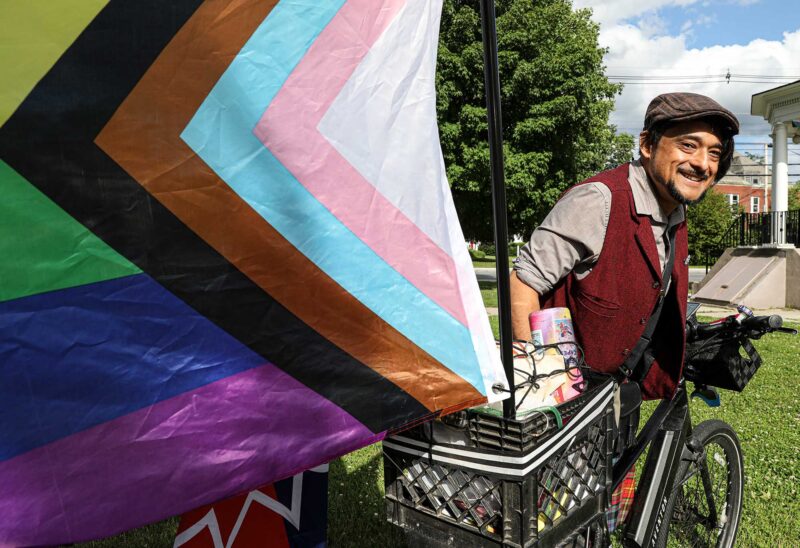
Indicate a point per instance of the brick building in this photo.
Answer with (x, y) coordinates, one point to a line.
(746, 185)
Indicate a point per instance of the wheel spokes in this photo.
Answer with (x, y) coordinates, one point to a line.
(701, 510)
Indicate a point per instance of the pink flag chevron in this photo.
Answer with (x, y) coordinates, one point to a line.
(289, 128)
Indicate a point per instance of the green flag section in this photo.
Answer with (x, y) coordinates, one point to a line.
(38, 32)
(43, 248)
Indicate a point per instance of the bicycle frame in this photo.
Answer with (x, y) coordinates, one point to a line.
(666, 432)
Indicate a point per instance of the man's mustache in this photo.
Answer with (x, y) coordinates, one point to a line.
(694, 173)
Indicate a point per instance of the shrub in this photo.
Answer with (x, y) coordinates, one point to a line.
(477, 254)
(708, 220)
(487, 248)
(513, 247)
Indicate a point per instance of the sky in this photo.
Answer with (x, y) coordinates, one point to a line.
(690, 45)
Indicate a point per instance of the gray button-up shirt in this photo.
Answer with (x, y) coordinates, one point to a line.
(571, 236)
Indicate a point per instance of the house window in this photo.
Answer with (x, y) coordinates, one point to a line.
(755, 180)
(754, 205)
(733, 201)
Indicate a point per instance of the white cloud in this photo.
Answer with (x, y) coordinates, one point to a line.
(651, 24)
(609, 12)
(638, 45)
(705, 20)
(633, 51)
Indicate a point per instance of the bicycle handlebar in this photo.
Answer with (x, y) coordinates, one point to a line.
(752, 327)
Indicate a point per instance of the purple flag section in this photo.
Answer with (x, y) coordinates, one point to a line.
(57, 489)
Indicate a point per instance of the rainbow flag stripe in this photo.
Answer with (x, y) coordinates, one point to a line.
(231, 252)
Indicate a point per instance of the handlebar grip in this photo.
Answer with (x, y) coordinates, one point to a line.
(763, 322)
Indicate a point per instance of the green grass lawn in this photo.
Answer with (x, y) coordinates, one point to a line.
(156, 535)
(489, 293)
(489, 262)
(766, 416)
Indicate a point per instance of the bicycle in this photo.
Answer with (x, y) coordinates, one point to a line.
(690, 490)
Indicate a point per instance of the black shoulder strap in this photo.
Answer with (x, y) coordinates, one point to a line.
(638, 362)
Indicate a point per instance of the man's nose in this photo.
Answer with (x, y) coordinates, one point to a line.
(700, 161)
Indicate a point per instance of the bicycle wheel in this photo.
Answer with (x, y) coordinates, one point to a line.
(705, 505)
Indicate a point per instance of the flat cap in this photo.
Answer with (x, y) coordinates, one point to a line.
(683, 106)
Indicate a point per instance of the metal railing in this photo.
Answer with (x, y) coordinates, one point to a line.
(792, 227)
(756, 229)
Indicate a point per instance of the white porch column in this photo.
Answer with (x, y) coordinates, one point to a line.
(780, 187)
(780, 182)
(767, 180)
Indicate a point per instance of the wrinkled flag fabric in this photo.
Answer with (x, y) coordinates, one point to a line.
(230, 252)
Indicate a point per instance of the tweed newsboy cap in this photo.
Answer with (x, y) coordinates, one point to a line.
(682, 107)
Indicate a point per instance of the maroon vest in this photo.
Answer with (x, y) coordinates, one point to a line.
(611, 305)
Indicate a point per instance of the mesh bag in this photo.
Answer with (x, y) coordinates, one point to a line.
(721, 363)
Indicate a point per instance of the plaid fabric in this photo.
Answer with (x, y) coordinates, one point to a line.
(621, 501)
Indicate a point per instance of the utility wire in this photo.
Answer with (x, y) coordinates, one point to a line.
(690, 82)
(728, 77)
(704, 76)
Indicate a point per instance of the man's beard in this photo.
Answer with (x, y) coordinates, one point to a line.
(672, 188)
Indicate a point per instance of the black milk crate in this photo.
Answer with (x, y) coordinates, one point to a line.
(554, 492)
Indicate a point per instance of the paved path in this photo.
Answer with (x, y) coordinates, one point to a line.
(696, 273)
(486, 274)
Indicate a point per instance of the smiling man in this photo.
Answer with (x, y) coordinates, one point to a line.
(614, 251)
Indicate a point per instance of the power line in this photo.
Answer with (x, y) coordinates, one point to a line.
(650, 68)
(765, 76)
(728, 78)
(704, 76)
(691, 82)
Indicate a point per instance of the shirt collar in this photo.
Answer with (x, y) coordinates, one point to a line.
(644, 197)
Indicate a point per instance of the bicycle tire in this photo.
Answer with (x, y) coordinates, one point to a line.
(687, 516)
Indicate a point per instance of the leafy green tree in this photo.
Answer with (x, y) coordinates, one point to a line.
(555, 102)
(794, 197)
(707, 222)
(758, 158)
(621, 150)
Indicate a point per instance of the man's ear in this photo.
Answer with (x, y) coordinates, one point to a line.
(645, 147)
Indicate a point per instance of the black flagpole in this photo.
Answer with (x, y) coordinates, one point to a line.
(492, 79)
